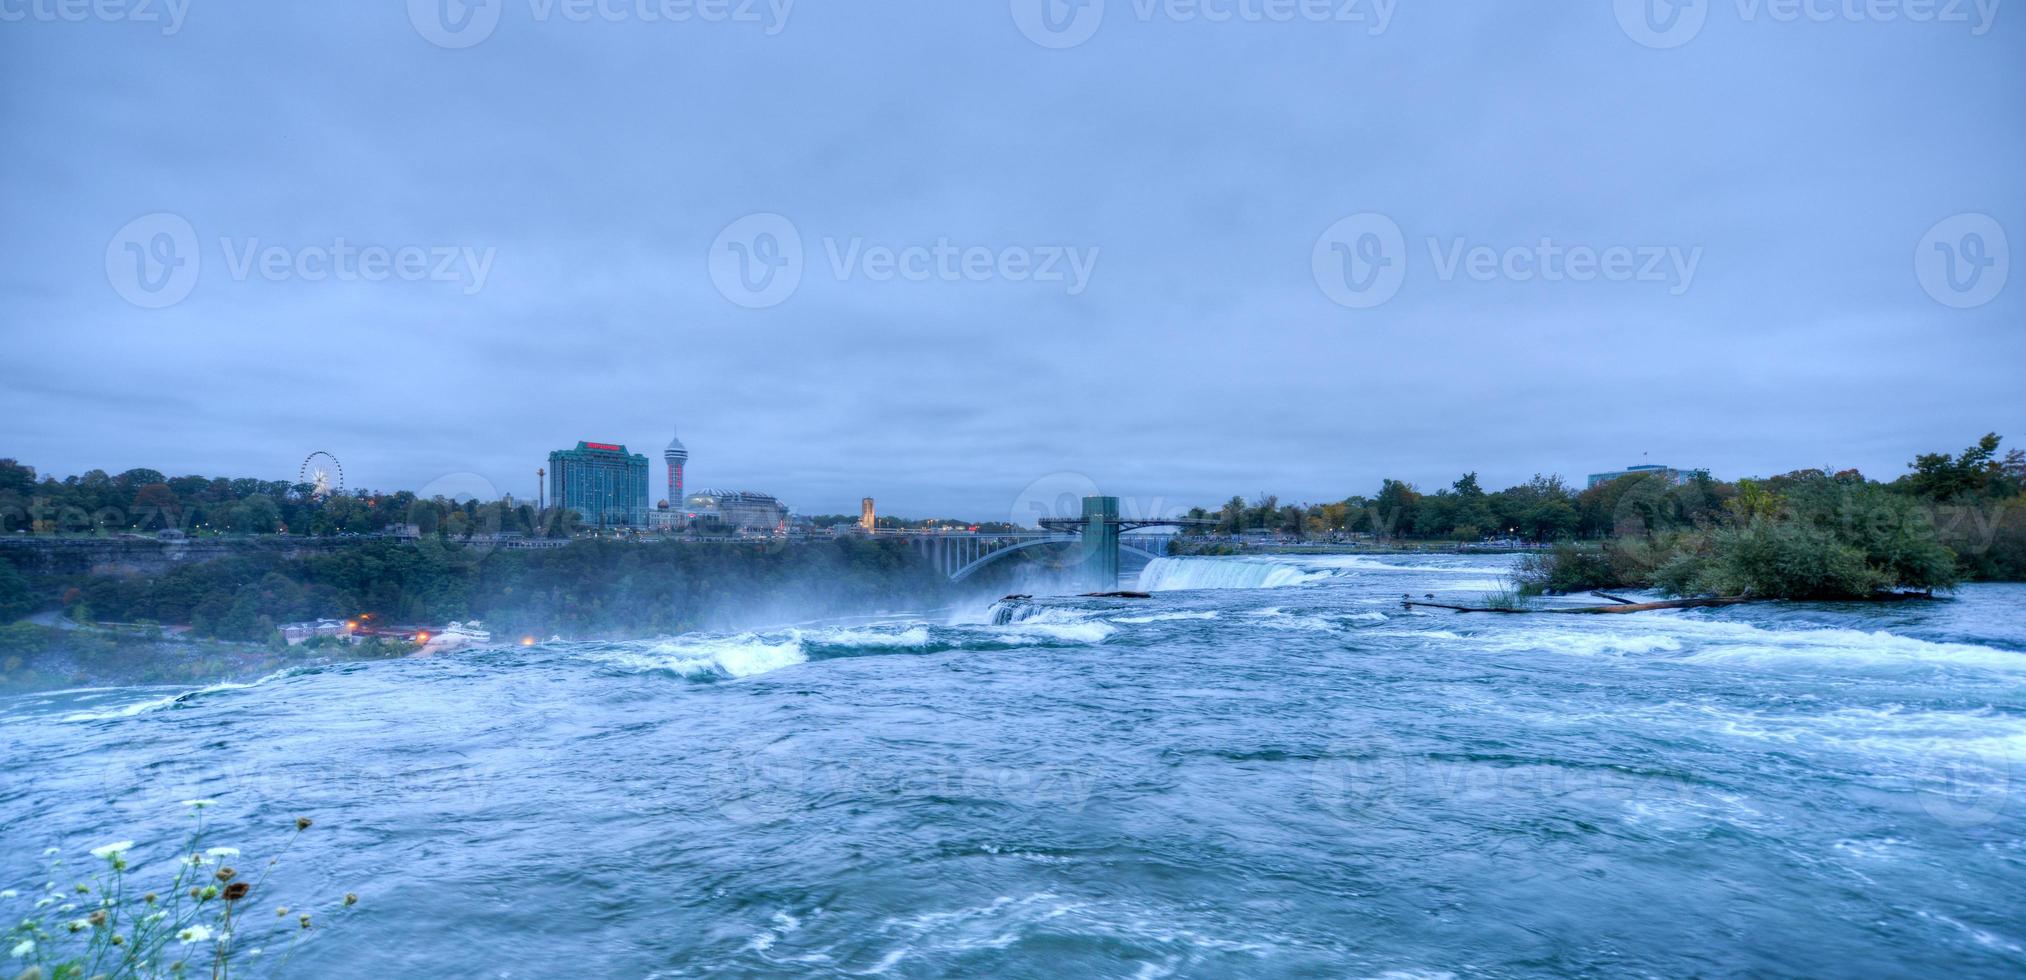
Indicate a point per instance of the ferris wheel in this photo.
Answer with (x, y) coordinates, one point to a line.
(324, 474)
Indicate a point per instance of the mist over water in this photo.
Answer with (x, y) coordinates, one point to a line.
(1270, 768)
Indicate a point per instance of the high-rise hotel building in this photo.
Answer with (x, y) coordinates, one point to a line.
(602, 482)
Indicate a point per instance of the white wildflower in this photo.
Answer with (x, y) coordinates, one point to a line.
(45, 903)
(223, 852)
(23, 948)
(198, 804)
(9, 893)
(195, 934)
(116, 847)
(51, 851)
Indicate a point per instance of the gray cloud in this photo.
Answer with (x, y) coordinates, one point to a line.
(599, 161)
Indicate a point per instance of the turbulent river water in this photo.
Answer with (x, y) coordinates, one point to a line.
(1269, 768)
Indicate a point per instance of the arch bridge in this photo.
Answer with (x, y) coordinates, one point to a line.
(1099, 536)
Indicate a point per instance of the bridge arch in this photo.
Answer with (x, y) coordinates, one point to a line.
(991, 556)
(988, 558)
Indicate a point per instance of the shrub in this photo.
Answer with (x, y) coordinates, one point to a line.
(1566, 568)
(1787, 560)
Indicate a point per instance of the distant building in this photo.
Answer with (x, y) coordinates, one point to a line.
(735, 512)
(296, 633)
(868, 521)
(676, 456)
(602, 482)
(1668, 473)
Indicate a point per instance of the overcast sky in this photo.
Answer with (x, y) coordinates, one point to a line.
(1299, 248)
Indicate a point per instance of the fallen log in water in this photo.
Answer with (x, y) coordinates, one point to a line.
(1630, 607)
(1442, 605)
(1624, 606)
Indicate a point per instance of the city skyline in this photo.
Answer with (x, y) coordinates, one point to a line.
(1048, 491)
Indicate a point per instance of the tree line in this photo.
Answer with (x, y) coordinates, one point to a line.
(1963, 513)
(593, 586)
(144, 500)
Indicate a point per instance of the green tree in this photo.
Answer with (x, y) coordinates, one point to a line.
(1941, 477)
(1231, 518)
(16, 600)
(257, 514)
(1394, 510)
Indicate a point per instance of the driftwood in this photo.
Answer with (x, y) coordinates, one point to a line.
(1442, 605)
(1621, 607)
(1621, 600)
(1118, 595)
(1625, 606)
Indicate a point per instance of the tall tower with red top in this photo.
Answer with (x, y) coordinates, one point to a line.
(676, 455)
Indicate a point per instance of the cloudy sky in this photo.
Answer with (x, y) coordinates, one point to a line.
(955, 255)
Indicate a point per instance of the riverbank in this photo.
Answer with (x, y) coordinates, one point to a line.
(35, 657)
(590, 587)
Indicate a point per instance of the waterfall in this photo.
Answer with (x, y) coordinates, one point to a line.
(1171, 574)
